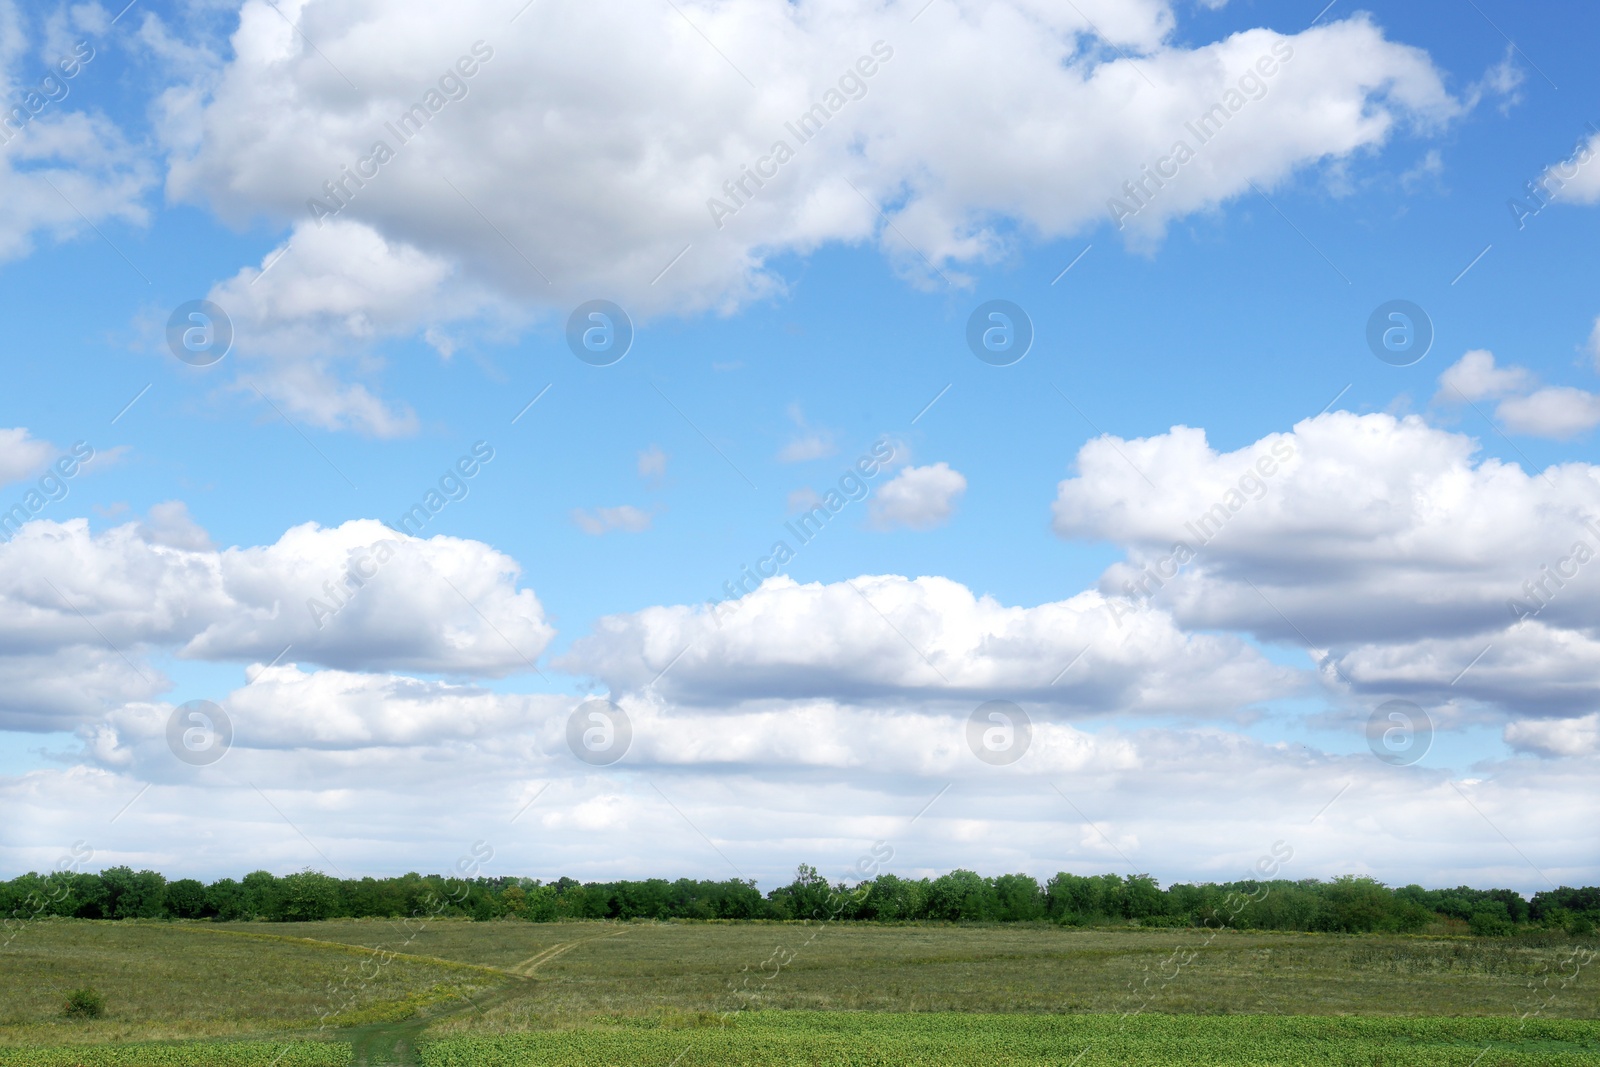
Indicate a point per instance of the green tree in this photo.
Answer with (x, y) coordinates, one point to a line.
(186, 899)
(262, 898)
(960, 896)
(225, 899)
(308, 896)
(1018, 898)
(140, 895)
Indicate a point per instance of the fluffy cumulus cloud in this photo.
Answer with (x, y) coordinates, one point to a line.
(918, 497)
(303, 318)
(357, 596)
(1475, 376)
(801, 722)
(1553, 411)
(1370, 539)
(719, 135)
(888, 637)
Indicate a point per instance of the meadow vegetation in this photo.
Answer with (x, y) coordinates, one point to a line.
(446, 991)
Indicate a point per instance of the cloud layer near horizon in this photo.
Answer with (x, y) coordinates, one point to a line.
(785, 724)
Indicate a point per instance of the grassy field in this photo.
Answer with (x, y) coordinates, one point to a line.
(594, 969)
(451, 993)
(171, 981)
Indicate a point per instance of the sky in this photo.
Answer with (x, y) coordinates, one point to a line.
(697, 439)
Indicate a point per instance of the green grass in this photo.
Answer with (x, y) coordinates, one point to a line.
(189, 1054)
(166, 981)
(691, 967)
(451, 992)
(860, 1039)
(863, 1039)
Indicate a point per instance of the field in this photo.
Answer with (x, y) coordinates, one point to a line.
(448, 993)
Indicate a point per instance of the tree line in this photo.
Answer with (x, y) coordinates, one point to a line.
(1348, 904)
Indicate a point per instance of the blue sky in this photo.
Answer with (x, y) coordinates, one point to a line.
(1240, 310)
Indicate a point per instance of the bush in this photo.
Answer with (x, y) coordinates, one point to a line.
(84, 1004)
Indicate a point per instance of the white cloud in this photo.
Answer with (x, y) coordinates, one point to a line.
(888, 637)
(1475, 377)
(917, 497)
(646, 149)
(22, 456)
(1539, 668)
(1555, 411)
(442, 604)
(806, 723)
(315, 305)
(1558, 737)
(284, 707)
(1503, 80)
(1576, 179)
(53, 685)
(818, 785)
(626, 517)
(169, 524)
(1354, 530)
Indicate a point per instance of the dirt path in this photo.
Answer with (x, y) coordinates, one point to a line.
(348, 948)
(395, 1043)
(533, 963)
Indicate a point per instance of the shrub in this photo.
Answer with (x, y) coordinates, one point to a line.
(84, 1004)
